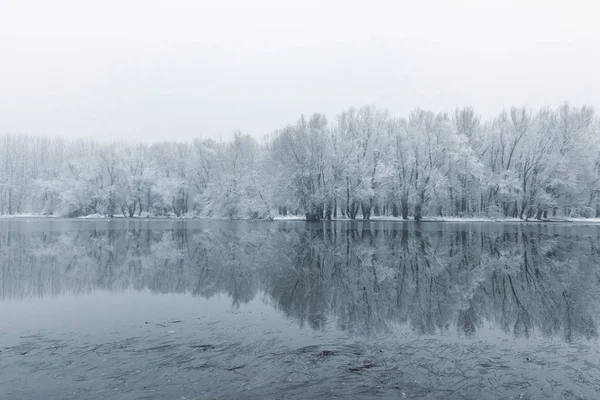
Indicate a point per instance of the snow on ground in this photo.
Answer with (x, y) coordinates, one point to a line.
(593, 220)
(26, 215)
(447, 219)
(93, 216)
(471, 219)
(290, 217)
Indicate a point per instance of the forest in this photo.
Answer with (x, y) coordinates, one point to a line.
(522, 163)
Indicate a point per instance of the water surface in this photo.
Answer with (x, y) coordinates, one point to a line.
(194, 309)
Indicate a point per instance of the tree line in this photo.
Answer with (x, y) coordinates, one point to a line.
(520, 163)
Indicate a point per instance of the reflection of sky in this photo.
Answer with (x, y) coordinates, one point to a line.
(137, 313)
(132, 313)
(105, 311)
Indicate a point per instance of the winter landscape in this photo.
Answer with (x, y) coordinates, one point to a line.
(135, 309)
(215, 200)
(520, 164)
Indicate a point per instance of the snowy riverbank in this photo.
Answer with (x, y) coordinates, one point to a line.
(301, 218)
(384, 218)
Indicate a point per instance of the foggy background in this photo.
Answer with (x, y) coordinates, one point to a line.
(177, 70)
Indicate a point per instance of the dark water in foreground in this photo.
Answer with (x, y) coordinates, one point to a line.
(290, 310)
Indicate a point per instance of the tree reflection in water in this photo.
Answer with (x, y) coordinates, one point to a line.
(364, 280)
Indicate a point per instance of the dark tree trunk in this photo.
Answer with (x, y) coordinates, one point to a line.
(312, 216)
(366, 210)
(314, 212)
(353, 210)
(539, 213)
(418, 212)
(524, 210)
(404, 208)
(132, 210)
(335, 208)
(328, 212)
(348, 198)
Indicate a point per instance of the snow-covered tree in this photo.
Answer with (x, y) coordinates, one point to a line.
(521, 163)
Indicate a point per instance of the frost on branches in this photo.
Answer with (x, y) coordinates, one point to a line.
(520, 164)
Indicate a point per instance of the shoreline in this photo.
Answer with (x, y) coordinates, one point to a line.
(296, 218)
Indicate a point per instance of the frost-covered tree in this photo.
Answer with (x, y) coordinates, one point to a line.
(173, 181)
(361, 133)
(301, 166)
(521, 163)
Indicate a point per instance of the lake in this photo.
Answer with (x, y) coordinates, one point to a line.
(163, 309)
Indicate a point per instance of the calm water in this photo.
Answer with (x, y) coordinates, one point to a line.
(283, 310)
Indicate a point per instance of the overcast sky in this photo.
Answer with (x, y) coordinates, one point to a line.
(176, 70)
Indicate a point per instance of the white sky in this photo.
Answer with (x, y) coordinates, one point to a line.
(175, 70)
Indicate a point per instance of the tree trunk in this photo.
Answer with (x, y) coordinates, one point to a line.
(348, 197)
(419, 206)
(328, 211)
(312, 216)
(538, 215)
(366, 210)
(353, 210)
(418, 212)
(377, 210)
(404, 208)
(132, 210)
(335, 207)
